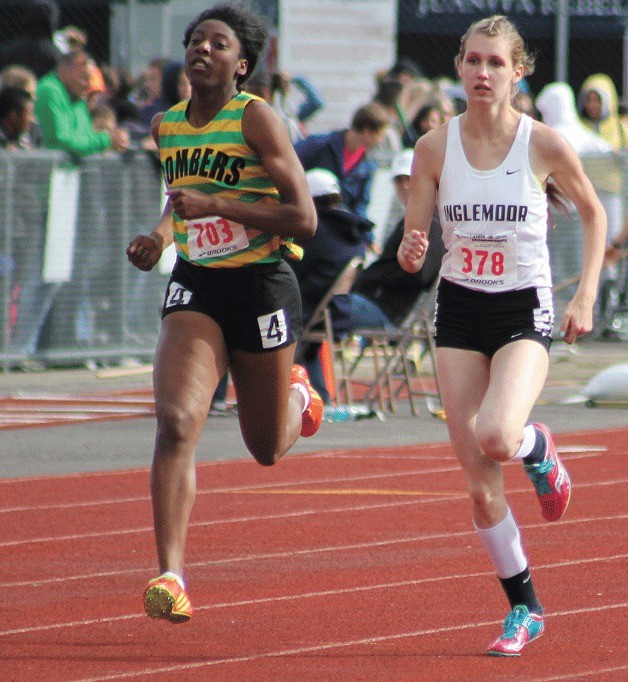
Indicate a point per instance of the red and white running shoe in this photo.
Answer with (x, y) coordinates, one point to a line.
(313, 415)
(550, 479)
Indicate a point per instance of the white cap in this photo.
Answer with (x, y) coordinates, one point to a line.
(402, 163)
(322, 182)
(61, 42)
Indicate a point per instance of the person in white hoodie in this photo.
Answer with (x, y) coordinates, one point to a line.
(557, 105)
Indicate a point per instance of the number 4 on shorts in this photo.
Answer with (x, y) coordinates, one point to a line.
(273, 329)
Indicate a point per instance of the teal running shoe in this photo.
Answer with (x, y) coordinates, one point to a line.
(520, 628)
(550, 479)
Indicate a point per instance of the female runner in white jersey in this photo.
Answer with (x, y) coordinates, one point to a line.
(488, 170)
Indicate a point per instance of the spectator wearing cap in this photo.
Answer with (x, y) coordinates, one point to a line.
(69, 39)
(73, 39)
(340, 237)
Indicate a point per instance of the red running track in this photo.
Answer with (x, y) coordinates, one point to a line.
(342, 566)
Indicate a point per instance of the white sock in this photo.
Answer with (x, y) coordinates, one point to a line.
(174, 576)
(528, 442)
(503, 546)
(305, 393)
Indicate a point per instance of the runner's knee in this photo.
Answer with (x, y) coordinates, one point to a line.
(175, 424)
(493, 441)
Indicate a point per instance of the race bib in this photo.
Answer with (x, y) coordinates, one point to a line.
(489, 262)
(214, 236)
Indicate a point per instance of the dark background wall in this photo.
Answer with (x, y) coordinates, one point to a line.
(435, 55)
(90, 15)
(429, 33)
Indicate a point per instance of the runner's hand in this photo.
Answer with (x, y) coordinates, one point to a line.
(189, 203)
(412, 251)
(144, 252)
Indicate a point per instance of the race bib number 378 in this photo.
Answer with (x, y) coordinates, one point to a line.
(487, 261)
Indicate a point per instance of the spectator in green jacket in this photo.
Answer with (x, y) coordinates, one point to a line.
(63, 114)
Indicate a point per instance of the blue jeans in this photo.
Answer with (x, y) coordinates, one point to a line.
(366, 314)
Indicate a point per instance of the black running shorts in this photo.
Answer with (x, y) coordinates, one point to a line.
(475, 320)
(257, 307)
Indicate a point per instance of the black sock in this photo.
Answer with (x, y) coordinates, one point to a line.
(538, 451)
(519, 590)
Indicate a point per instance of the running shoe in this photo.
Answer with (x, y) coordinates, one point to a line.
(520, 628)
(550, 479)
(313, 415)
(165, 598)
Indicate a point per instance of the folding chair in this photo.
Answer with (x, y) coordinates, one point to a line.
(319, 329)
(395, 356)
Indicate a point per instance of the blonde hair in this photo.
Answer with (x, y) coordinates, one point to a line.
(499, 26)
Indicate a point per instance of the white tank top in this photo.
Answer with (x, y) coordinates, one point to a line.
(495, 221)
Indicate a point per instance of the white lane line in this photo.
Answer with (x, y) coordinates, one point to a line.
(255, 486)
(432, 499)
(581, 674)
(34, 582)
(327, 646)
(317, 594)
(562, 450)
(268, 485)
(21, 411)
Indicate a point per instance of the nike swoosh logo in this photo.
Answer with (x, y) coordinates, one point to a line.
(511, 172)
(526, 580)
(514, 336)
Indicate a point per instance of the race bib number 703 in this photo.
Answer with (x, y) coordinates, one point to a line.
(214, 236)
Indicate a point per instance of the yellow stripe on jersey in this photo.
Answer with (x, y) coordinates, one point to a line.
(217, 159)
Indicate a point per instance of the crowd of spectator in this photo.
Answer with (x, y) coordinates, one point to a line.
(410, 102)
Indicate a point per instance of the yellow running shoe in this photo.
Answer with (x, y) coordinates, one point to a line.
(165, 598)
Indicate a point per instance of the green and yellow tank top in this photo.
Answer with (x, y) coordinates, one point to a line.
(212, 159)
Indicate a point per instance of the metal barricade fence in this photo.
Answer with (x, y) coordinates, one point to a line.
(609, 176)
(67, 292)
